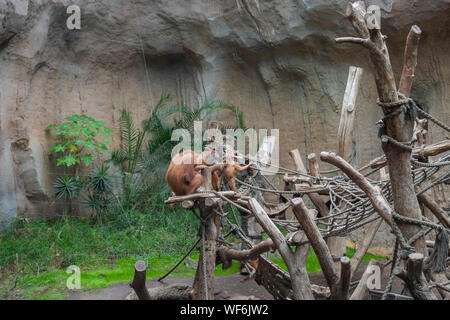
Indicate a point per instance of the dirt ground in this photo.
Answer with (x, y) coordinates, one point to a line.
(226, 287)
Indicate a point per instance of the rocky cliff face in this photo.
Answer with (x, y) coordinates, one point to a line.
(276, 59)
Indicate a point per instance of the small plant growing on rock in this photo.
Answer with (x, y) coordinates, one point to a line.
(79, 140)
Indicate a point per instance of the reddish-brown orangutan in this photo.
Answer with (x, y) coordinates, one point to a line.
(184, 176)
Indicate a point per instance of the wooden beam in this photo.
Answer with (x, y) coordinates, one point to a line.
(313, 164)
(344, 280)
(374, 194)
(315, 198)
(410, 60)
(228, 254)
(203, 289)
(296, 263)
(430, 150)
(371, 230)
(197, 196)
(318, 243)
(348, 110)
(440, 214)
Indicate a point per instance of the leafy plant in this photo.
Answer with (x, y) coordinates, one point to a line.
(98, 189)
(79, 140)
(100, 181)
(67, 187)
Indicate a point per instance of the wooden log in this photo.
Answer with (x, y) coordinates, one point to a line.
(315, 198)
(176, 291)
(187, 204)
(197, 196)
(345, 143)
(138, 283)
(414, 278)
(410, 60)
(313, 164)
(429, 151)
(296, 263)
(345, 131)
(299, 166)
(372, 229)
(227, 255)
(344, 280)
(440, 214)
(374, 194)
(399, 127)
(362, 291)
(318, 243)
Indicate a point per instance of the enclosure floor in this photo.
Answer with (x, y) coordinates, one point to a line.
(226, 287)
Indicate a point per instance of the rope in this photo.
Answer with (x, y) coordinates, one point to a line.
(402, 145)
(429, 165)
(391, 277)
(411, 107)
(429, 116)
(181, 260)
(205, 281)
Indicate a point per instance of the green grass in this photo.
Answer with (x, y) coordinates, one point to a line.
(34, 254)
(312, 264)
(52, 285)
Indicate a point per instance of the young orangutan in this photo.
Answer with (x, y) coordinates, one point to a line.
(231, 168)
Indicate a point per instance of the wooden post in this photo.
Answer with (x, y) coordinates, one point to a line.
(318, 243)
(372, 229)
(345, 131)
(338, 285)
(414, 278)
(295, 262)
(315, 198)
(399, 127)
(345, 144)
(138, 283)
(208, 247)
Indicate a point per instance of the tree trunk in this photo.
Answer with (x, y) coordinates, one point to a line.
(399, 127)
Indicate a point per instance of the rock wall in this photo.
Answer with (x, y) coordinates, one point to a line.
(275, 59)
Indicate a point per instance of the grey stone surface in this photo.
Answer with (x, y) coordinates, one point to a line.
(276, 59)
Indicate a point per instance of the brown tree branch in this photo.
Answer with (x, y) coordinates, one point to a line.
(295, 262)
(227, 255)
(435, 209)
(373, 193)
(318, 243)
(410, 60)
